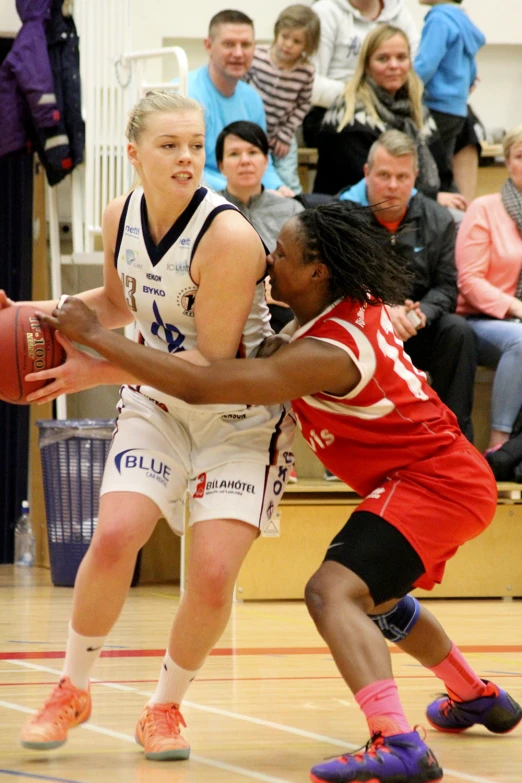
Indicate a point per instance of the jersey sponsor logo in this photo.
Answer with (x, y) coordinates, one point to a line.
(187, 300)
(200, 486)
(180, 267)
(224, 486)
(131, 231)
(320, 440)
(130, 257)
(233, 416)
(154, 278)
(360, 317)
(376, 494)
(139, 461)
(281, 479)
(147, 289)
(184, 242)
(168, 332)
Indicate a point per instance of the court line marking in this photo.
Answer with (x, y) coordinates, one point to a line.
(213, 710)
(34, 776)
(307, 678)
(225, 713)
(128, 738)
(242, 651)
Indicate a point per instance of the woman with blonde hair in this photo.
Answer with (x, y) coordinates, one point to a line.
(489, 265)
(187, 267)
(384, 93)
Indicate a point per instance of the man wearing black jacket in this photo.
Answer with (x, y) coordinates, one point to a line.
(423, 233)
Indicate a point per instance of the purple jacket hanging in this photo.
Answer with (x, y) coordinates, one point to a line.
(29, 112)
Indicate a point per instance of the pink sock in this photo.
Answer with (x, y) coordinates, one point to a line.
(382, 708)
(458, 676)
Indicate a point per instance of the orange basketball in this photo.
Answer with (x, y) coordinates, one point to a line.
(26, 345)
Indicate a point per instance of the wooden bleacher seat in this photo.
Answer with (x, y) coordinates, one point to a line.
(313, 510)
(490, 178)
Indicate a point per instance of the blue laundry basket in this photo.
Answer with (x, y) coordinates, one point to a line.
(73, 453)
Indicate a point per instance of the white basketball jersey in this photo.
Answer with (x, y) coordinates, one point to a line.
(156, 279)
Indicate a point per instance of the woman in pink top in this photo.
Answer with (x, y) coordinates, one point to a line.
(489, 264)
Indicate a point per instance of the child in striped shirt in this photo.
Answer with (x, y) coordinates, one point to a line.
(283, 75)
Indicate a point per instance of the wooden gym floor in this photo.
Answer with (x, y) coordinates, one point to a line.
(267, 706)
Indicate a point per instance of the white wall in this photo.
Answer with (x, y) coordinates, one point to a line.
(9, 19)
(165, 21)
(501, 23)
(497, 100)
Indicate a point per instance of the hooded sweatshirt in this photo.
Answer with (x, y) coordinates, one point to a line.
(343, 30)
(446, 58)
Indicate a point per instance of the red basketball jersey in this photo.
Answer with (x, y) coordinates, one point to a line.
(390, 420)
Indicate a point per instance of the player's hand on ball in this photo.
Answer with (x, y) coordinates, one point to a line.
(4, 300)
(74, 320)
(80, 371)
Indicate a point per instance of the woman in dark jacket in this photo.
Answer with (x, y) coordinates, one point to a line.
(384, 93)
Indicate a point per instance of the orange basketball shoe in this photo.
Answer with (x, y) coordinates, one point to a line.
(158, 732)
(66, 707)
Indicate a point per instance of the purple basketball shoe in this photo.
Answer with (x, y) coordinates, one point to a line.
(495, 710)
(400, 757)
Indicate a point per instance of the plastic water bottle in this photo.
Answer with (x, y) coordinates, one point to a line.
(24, 538)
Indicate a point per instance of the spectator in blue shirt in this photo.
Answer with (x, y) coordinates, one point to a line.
(219, 88)
(446, 64)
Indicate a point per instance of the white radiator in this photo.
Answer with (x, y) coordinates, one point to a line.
(113, 79)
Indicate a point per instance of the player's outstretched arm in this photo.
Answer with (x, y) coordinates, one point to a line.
(299, 369)
(79, 372)
(108, 300)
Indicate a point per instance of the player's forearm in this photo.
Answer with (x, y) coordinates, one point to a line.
(111, 374)
(148, 365)
(111, 314)
(224, 381)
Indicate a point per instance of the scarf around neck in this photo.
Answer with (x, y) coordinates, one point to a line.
(395, 111)
(512, 202)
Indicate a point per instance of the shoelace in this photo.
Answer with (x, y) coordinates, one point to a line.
(58, 704)
(448, 706)
(166, 718)
(375, 743)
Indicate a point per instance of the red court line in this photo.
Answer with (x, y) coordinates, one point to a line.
(232, 651)
(311, 678)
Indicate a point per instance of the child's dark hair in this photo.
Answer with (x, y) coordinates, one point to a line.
(341, 236)
(243, 129)
(300, 17)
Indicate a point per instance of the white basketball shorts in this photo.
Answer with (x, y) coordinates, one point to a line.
(232, 464)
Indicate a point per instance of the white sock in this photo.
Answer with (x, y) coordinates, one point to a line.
(173, 682)
(80, 656)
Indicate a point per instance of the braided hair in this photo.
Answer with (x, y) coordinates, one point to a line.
(340, 236)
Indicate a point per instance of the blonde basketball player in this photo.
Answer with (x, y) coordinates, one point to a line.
(188, 268)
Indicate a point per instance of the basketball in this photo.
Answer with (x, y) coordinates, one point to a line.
(26, 345)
